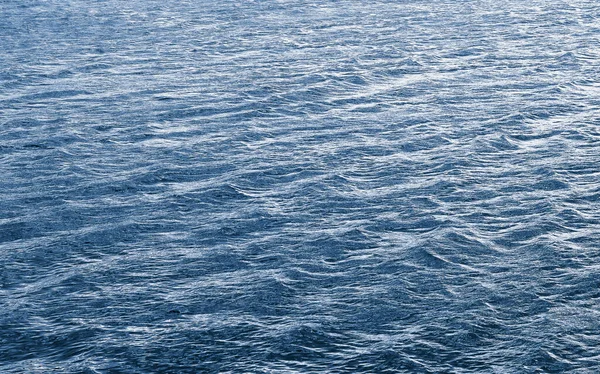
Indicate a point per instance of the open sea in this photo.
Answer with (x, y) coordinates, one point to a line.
(299, 186)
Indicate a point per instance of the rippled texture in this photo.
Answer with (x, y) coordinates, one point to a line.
(299, 186)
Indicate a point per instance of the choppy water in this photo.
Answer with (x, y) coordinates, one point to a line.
(299, 186)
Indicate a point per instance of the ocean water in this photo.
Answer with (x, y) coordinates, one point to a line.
(299, 186)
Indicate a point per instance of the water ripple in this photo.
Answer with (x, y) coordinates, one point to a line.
(299, 186)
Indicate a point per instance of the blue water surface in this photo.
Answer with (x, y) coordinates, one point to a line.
(299, 186)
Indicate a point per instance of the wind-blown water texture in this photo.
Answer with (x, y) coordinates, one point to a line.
(299, 186)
